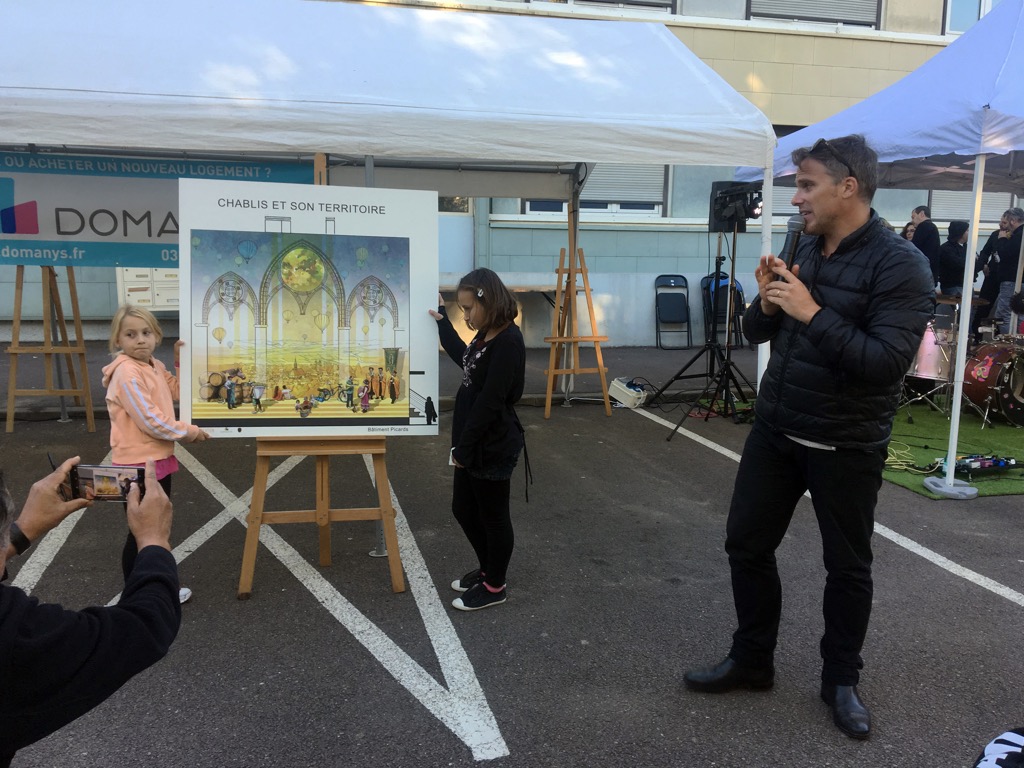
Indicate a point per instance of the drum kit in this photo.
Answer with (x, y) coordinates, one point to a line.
(993, 379)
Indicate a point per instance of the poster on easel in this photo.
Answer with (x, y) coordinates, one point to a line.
(304, 309)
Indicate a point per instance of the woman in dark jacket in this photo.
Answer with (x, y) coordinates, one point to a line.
(486, 434)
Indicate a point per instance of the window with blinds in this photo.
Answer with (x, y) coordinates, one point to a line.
(637, 190)
(947, 205)
(625, 184)
(863, 12)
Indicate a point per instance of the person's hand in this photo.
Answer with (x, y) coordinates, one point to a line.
(200, 436)
(177, 352)
(149, 520)
(789, 294)
(433, 312)
(45, 508)
(766, 278)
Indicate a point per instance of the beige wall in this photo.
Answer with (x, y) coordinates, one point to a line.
(799, 78)
(923, 17)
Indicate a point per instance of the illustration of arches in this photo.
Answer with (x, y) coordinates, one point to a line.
(372, 294)
(227, 317)
(283, 274)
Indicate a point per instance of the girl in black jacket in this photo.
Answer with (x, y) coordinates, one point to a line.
(486, 434)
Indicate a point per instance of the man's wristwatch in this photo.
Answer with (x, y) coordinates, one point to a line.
(19, 539)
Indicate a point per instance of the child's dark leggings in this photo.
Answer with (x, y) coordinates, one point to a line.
(131, 549)
(482, 509)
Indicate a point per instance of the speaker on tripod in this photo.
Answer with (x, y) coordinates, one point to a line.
(731, 204)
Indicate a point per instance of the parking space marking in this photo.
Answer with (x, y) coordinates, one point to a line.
(462, 707)
(46, 550)
(887, 533)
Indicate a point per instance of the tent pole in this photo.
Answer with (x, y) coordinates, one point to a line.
(767, 206)
(368, 171)
(949, 486)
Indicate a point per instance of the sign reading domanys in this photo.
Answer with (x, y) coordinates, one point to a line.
(105, 211)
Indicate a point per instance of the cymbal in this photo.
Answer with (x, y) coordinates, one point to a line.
(976, 301)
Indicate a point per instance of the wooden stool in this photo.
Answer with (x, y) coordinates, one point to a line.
(323, 515)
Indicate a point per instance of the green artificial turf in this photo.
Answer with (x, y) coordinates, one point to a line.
(919, 444)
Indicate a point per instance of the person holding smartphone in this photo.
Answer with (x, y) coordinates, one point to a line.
(56, 664)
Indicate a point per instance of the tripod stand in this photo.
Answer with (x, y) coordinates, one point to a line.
(721, 371)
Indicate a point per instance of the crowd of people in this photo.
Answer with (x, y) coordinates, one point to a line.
(996, 264)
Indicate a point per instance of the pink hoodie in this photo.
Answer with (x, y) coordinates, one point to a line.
(140, 400)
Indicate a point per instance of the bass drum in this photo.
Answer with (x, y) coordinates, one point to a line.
(995, 374)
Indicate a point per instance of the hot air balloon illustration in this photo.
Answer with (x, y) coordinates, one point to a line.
(288, 315)
(321, 321)
(366, 329)
(362, 256)
(218, 334)
(383, 321)
(247, 249)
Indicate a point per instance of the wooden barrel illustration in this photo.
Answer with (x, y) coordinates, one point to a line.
(207, 392)
(216, 378)
(246, 392)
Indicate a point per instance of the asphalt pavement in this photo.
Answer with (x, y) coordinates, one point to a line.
(619, 582)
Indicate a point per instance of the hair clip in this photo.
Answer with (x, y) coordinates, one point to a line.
(479, 293)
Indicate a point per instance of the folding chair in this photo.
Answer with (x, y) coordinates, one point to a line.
(672, 309)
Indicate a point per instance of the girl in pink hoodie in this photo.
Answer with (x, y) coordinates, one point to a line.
(140, 400)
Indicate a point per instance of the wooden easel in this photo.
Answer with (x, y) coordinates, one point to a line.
(78, 385)
(565, 327)
(323, 515)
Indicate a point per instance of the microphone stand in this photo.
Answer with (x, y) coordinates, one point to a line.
(728, 372)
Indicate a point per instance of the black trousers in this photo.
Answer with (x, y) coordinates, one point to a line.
(482, 509)
(774, 472)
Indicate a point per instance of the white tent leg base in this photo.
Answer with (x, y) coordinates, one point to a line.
(958, 490)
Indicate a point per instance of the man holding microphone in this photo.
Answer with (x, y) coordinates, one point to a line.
(845, 320)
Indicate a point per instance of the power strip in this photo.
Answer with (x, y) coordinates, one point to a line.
(978, 464)
(626, 392)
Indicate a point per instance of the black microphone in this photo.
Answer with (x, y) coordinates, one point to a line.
(794, 227)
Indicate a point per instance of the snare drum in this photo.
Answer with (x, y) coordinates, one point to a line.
(995, 374)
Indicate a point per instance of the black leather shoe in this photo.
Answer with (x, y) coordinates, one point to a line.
(729, 676)
(848, 711)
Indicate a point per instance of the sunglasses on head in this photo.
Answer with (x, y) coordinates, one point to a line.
(823, 144)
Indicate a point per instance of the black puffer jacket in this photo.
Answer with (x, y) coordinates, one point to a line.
(836, 380)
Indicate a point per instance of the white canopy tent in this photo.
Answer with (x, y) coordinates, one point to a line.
(956, 122)
(413, 87)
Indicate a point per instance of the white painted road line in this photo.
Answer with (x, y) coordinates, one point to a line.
(908, 544)
(46, 550)
(462, 707)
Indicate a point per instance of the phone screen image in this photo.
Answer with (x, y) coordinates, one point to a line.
(105, 483)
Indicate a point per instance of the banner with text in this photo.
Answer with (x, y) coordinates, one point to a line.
(106, 211)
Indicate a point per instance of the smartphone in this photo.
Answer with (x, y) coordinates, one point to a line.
(107, 483)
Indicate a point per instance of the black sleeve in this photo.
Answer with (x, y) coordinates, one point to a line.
(56, 665)
(451, 342)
